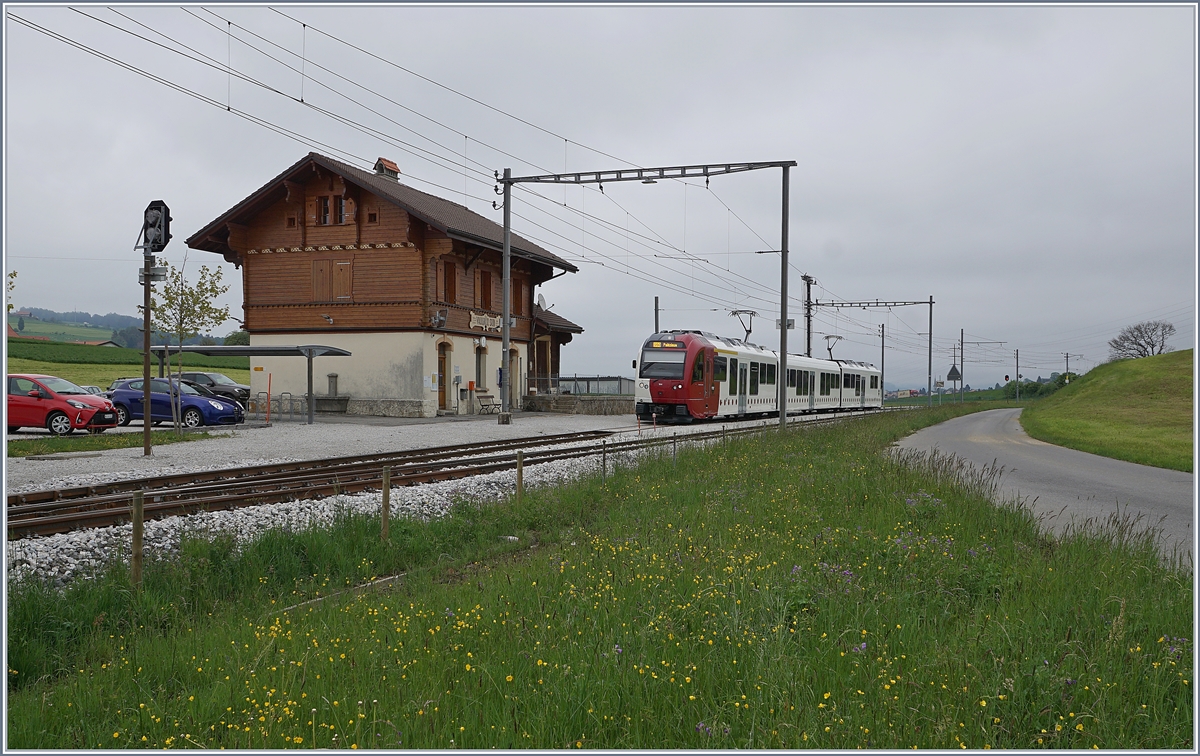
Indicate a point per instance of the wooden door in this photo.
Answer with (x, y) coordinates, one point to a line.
(441, 376)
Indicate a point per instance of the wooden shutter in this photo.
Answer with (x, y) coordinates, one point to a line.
(343, 277)
(351, 210)
(310, 210)
(450, 272)
(322, 281)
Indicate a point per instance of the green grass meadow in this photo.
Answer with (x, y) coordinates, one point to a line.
(1136, 410)
(93, 374)
(60, 331)
(100, 366)
(98, 442)
(813, 591)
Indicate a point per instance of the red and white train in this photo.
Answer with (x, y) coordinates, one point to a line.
(695, 375)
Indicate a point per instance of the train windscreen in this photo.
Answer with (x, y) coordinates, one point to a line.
(662, 363)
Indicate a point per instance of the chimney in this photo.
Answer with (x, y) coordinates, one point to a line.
(387, 169)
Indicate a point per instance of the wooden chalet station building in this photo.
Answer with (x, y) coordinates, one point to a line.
(408, 282)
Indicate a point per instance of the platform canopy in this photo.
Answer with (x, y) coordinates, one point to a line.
(305, 350)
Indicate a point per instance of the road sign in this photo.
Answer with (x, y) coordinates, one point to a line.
(791, 324)
(953, 375)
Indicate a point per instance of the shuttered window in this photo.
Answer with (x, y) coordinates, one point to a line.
(332, 281)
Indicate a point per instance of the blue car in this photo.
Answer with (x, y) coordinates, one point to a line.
(196, 409)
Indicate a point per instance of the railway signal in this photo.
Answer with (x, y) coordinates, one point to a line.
(156, 234)
(156, 227)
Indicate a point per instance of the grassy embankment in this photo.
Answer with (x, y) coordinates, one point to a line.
(811, 592)
(1135, 410)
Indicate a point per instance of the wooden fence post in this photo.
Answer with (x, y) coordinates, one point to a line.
(520, 475)
(385, 509)
(135, 557)
(603, 461)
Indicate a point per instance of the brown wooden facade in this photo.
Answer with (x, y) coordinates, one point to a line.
(327, 247)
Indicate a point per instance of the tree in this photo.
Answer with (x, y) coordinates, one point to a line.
(1141, 340)
(238, 338)
(12, 284)
(183, 310)
(20, 322)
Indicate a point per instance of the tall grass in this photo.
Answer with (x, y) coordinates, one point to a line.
(810, 591)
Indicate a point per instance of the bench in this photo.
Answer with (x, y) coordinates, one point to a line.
(488, 404)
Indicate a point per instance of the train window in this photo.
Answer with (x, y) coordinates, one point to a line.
(662, 363)
(754, 378)
(828, 381)
(858, 385)
(791, 378)
(874, 381)
(733, 376)
(698, 368)
(719, 368)
(770, 374)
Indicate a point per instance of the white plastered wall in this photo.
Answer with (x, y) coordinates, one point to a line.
(388, 370)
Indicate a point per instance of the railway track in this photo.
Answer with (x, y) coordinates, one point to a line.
(63, 510)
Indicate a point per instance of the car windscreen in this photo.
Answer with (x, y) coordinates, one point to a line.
(60, 386)
(222, 380)
(186, 389)
(662, 363)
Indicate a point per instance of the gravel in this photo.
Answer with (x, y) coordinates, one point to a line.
(65, 557)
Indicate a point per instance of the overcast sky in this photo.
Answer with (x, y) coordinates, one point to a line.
(1031, 168)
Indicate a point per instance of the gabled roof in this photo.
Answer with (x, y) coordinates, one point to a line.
(454, 220)
(554, 321)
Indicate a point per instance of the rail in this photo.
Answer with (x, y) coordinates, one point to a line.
(64, 510)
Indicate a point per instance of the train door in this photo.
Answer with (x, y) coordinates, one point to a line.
(812, 390)
(862, 383)
(710, 388)
(743, 382)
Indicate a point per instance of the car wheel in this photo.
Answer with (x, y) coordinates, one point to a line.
(192, 418)
(122, 415)
(58, 424)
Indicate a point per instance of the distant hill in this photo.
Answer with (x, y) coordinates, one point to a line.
(112, 321)
(78, 326)
(1135, 410)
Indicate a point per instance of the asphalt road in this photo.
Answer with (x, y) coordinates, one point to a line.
(1062, 484)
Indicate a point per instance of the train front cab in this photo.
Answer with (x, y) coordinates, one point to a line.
(677, 379)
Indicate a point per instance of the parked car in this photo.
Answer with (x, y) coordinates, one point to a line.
(94, 390)
(112, 386)
(202, 390)
(197, 410)
(59, 406)
(222, 384)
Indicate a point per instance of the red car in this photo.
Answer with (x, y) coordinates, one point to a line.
(59, 406)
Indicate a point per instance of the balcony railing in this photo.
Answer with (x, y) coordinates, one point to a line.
(582, 384)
